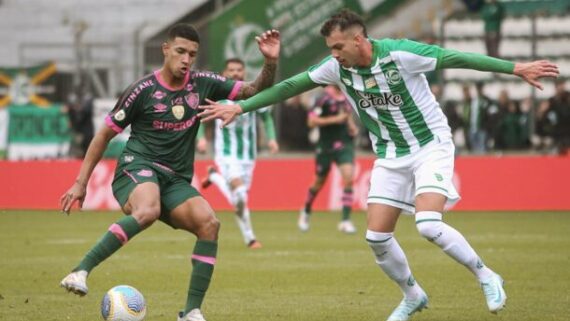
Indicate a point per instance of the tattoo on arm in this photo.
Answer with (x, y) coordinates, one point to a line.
(264, 80)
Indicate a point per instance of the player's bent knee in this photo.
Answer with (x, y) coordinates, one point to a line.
(146, 215)
(209, 229)
(429, 225)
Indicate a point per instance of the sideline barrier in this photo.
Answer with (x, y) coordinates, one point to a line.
(485, 183)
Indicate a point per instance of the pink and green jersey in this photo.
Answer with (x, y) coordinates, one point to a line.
(164, 120)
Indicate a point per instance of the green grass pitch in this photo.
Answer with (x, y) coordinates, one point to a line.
(319, 275)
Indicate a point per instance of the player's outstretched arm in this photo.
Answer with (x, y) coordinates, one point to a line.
(94, 153)
(269, 45)
(532, 72)
(279, 92)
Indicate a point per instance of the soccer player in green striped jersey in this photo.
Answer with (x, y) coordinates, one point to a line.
(154, 172)
(385, 83)
(235, 150)
(332, 116)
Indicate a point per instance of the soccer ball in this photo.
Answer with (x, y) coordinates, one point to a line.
(123, 303)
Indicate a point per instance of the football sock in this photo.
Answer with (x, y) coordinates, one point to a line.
(244, 224)
(117, 235)
(203, 260)
(430, 226)
(390, 257)
(311, 195)
(222, 185)
(346, 203)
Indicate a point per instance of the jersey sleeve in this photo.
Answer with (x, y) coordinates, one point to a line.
(415, 57)
(126, 108)
(326, 72)
(218, 87)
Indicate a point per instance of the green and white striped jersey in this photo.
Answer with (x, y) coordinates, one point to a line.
(238, 140)
(392, 97)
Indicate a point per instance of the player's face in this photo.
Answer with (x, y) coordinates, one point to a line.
(235, 71)
(344, 47)
(179, 55)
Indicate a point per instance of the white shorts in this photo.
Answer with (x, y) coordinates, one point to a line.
(231, 169)
(397, 182)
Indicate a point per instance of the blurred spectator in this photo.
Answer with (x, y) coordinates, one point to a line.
(80, 107)
(294, 132)
(492, 14)
(474, 5)
(475, 118)
(453, 118)
(513, 126)
(545, 126)
(560, 103)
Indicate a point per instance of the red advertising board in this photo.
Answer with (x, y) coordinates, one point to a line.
(485, 183)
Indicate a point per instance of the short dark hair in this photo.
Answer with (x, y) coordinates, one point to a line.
(344, 19)
(183, 30)
(234, 60)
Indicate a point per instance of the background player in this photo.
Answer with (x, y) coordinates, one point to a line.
(153, 175)
(235, 150)
(385, 83)
(332, 115)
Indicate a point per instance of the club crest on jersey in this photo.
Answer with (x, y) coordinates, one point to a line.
(393, 76)
(347, 81)
(178, 111)
(120, 115)
(370, 83)
(192, 100)
(158, 94)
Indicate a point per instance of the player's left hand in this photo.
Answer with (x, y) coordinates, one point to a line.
(269, 44)
(531, 72)
(76, 193)
(227, 113)
(273, 146)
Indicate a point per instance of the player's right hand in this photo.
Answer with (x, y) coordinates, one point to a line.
(76, 193)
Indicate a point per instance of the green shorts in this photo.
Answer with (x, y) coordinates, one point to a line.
(174, 189)
(343, 154)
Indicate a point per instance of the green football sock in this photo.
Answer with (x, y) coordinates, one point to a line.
(117, 235)
(203, 260)
(346, 203)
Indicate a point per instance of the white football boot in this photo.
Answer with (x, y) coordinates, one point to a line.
(407, 307)
(346, 227)
(303, 222)
(193, 315)
(494, 293)
(76, 282)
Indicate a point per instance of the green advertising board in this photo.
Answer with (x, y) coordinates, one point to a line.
(232, 33)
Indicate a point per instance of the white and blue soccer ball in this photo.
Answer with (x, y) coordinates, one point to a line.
(123, 303)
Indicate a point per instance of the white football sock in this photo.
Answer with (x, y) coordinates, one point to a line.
(244, 224)
(390, 257)
(430, 226)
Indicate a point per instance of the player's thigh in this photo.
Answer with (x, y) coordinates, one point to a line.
(247, 169)
(323, 161)
(382, 217)
(391, 184)
(195, 215)
(433, 175)
(136, 188)
(231, 171)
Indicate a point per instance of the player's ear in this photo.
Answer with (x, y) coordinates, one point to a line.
(165, 47)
